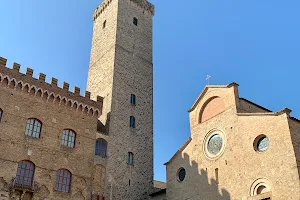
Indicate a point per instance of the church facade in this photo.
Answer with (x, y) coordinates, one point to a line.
(58, 144)
(237, 150)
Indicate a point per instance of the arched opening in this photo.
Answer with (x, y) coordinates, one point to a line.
(63, 180)
(132, 122)
(68, 138)
(130, 158)
(135, 21)
(101, 147)
(211, 108)
(25, 174)
(33, 128)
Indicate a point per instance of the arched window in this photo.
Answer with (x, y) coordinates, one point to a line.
(101, 147)
(130, 158)
(132, 122)
(68, 138)
(135, 21)
(1, 114)
(33, 128)
(63, 180)
(132, 99)
(25, 173)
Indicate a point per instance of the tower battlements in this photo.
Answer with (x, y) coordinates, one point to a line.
(144, 4)
(14, 79)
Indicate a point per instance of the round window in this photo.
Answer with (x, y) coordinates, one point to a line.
(261, 143)
(181, 174)
(214, 144)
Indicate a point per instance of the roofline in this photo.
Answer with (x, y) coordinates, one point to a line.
(295, 119)
(256, 105)
(162, 191)
(282, 111)
(206, 88)
(179, 150)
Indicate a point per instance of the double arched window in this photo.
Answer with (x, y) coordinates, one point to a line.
(68, 138)
(63, 180)
(33, 128)
(1, 114)
(101, 147)
(25, 173)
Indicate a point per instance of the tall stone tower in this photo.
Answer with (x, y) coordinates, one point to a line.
(121, 71)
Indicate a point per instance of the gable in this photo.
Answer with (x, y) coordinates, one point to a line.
(212, 101)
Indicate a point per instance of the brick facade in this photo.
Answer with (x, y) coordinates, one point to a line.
(120, 65)
(56, 112)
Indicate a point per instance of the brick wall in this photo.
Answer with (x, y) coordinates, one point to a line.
(46, 152)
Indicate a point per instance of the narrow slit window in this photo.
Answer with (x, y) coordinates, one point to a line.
(130, 158)
(1, 114)
(135, 21)
(132, 99)
(217, 175)
(104, 24)
(132, 122)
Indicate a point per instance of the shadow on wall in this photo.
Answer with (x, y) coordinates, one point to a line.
(200, 183)
(104, 128)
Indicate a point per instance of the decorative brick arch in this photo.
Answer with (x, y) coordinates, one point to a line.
(99, 179)
(211, 108)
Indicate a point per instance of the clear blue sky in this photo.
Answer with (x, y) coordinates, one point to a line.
(254, 43)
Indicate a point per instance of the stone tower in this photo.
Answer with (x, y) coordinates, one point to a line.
(120, 67)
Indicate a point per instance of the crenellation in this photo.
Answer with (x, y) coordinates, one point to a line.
(42, 77)
(87, 94)
(76, 90)
(144, 4)
(54, 81)
(16, 67)
(99, 99)
(65, 86)
(101, 8)
(3, 62)
(14, 79)
(29, 71)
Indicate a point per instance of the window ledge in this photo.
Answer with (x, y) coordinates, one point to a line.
(99, 160)
(32, 137)
(68, 149)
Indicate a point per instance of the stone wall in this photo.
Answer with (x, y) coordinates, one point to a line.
(121, 65)
(237, 170)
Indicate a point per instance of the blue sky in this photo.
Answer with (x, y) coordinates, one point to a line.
(254, 43)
